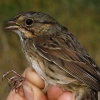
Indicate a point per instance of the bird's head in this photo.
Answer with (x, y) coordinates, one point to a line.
(30, 24)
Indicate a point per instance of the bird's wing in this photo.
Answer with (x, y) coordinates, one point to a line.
(76, 63)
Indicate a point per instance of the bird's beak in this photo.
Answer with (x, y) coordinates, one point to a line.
(11, 25)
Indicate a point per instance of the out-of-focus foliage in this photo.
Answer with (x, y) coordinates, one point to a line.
(81, 17)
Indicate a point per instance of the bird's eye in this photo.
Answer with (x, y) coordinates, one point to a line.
(29, 22)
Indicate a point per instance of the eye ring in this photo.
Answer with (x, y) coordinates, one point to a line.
(29, 21)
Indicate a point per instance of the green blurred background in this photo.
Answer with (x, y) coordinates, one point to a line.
(81, 17)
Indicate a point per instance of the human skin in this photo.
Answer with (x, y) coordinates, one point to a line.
(31, 89)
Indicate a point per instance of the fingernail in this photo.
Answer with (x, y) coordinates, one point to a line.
(28, 92)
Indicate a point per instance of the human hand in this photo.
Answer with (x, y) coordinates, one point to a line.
(32, 89)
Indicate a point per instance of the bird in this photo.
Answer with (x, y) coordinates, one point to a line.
(56, 55)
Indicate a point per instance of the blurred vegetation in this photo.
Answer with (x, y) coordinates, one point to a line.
(81, 17)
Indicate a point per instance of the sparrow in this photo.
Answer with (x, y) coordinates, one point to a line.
(56, 55)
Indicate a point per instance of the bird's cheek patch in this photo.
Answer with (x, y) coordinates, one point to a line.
(27, 33)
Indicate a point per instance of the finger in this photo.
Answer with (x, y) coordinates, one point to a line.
(14, 96)
(33, 93)
(60, 94)
(54, 92)
(33, 77)
(66, 96)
